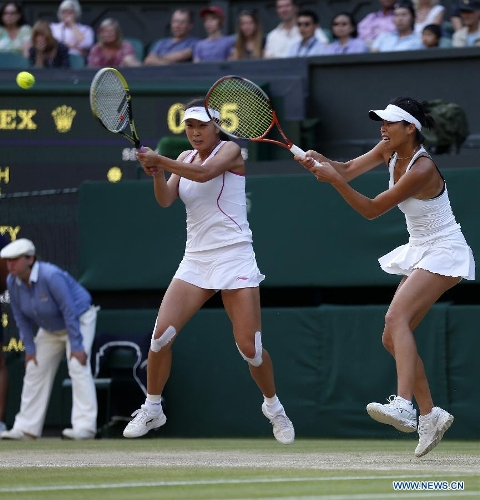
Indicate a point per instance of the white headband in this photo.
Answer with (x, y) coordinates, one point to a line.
(199, 113)
(393, 113)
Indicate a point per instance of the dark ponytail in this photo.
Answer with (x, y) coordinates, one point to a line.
(417, 110)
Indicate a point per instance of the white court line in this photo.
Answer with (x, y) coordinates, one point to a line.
(24, 489)
(374, 496)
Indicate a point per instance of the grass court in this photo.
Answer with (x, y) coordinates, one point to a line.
(230, 469)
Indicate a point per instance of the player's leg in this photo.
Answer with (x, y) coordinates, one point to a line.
(180, 302)
(243, 308)
(411, 302)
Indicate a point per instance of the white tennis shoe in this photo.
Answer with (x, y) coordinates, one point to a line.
(431, 429)
(397, 412)
(282, 426)
(143, 422)
(17, 435)
(78, 434)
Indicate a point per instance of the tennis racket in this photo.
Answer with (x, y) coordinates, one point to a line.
(111, 103)
(242, 110)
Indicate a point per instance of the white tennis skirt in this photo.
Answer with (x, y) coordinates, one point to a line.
(225, 268)
(448, 255)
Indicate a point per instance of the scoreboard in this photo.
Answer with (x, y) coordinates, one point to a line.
(51, 140)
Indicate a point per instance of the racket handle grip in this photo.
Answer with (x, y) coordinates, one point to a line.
(141, 149)
(295, 150)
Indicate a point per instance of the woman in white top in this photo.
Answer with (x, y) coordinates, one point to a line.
(434, 260)
(427, 12)
(210, 180)
(77, 37)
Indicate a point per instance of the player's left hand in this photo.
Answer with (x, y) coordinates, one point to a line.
(149, 160)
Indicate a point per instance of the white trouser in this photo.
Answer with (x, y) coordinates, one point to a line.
(39, 378)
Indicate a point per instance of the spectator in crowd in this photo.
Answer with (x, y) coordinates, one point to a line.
(404, 37)
(43, 295)
(46, 51)
(249, 39)
(216, 47)
(3, 366)
(279, 40)
(178, 47)
(431, 35)
(345, 34)
(111, 50)
(308, 45)
(15, 33)
(427, 12)
(455, 17)
(376, 23)
(469, 35)
(77, 37)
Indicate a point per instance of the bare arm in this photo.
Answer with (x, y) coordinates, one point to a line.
(227, 158)
(173, 57)
(166, 192)
(438, 19)
(420, 182)
(131, 61)
(353, 168)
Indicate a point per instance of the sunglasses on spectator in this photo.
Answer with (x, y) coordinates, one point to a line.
(305, 23)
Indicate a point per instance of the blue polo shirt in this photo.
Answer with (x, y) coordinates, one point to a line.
(168, 45)
(54, 301)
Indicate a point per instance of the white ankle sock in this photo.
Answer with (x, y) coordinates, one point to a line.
(273, 401)
(154, 403)
(407, 401)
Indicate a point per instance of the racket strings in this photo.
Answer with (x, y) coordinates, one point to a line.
(244, 109)
(110, 100)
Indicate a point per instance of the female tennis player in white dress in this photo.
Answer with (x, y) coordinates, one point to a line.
(210, 180)
(434, 260)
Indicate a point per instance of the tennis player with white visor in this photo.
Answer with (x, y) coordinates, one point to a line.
(210, 180)
(435, 259)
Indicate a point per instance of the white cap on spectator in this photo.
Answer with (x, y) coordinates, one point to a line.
(18, 248)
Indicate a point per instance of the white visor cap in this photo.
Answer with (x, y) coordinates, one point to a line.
(199, 113)
(393, 113)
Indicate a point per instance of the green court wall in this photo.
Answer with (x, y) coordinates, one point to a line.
(329, 363)
(304, 233)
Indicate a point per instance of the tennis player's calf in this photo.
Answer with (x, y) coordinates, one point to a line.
(257, 358)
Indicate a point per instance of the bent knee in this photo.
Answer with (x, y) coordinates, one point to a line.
(387, 340)
(252, 353)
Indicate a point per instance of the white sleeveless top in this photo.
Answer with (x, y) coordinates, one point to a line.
(426, 219)
(436, 242)
(216, 209)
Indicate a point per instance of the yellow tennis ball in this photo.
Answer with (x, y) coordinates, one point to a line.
(25, 80)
